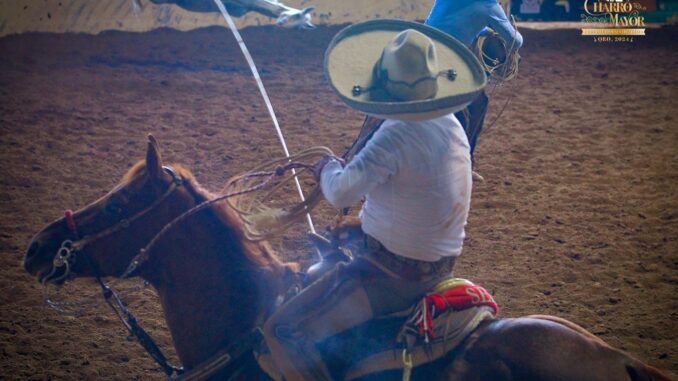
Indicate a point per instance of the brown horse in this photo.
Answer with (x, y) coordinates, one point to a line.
(214, 285)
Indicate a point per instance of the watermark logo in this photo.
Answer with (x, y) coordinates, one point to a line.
(613, 20)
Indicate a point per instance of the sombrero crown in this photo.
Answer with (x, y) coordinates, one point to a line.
(402, 70)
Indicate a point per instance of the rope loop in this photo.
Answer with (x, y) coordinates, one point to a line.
(265, 216)
(501, 71)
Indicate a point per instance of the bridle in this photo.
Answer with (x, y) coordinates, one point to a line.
(65, 259)
(66, 256)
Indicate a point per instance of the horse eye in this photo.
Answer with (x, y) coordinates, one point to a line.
(114, 207)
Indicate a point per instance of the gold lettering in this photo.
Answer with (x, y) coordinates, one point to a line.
(610, 8)
(626, 21)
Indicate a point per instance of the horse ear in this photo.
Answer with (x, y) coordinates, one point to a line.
(153, 158)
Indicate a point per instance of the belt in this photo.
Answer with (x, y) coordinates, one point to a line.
(407, 268)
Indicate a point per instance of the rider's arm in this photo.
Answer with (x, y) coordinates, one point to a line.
(501, 24)
(375, 163)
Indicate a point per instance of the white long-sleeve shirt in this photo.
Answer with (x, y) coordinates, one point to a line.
(416, 178)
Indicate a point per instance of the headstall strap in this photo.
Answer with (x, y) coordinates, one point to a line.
(125, 223)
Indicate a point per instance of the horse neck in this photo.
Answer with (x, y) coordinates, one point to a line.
(211, 293)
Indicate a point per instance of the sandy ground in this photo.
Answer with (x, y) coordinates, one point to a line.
(578, 216)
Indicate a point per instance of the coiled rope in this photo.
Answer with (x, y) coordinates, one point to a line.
(265, 216)
(501, 71)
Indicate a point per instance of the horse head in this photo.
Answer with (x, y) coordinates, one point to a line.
(102, 238)
(295, 18)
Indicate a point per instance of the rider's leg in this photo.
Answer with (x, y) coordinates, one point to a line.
(477, 111)
(332, 304)
(345, 297)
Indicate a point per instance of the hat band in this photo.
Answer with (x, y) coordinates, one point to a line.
(383, 78)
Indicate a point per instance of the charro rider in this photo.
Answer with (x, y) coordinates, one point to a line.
(465, 20)
(415, 173)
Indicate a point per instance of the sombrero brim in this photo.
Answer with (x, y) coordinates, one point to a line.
(354, 51)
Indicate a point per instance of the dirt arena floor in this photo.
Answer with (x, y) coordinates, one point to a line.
(578, 216)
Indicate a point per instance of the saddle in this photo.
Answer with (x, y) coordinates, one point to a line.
(423, 333)
(433, 328)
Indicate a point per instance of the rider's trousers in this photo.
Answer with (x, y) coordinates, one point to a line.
(473, 118)
(347, 296)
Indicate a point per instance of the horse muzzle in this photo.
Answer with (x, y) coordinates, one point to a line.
(49, 264)
(31, 262)
(46, 252)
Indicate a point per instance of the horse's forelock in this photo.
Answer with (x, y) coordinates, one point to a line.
(134, 172)
(139, 168)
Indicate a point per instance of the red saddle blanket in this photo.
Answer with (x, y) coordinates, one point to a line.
(439, 322)
(450, 295)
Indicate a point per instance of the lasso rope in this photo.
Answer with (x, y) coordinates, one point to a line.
(260, 221)
(264, 94)
(262, 218)
(500, 71)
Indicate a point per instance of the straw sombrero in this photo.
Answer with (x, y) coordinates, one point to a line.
(402, 70)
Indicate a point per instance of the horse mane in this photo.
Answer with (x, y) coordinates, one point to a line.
(259, 253)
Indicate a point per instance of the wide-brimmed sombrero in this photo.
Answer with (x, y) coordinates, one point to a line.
(364, 59)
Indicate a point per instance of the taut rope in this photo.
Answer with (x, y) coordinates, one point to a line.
(264, 94)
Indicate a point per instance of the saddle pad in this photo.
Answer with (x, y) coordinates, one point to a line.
(454, 326)
(454, 294)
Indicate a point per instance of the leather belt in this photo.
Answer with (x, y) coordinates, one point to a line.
(407, 268)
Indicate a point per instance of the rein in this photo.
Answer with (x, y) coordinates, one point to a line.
(130, 322)
(268, 177)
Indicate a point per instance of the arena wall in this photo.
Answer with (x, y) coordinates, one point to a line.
(94, 16)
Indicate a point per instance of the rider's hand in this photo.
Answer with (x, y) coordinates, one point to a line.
(318, 167)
